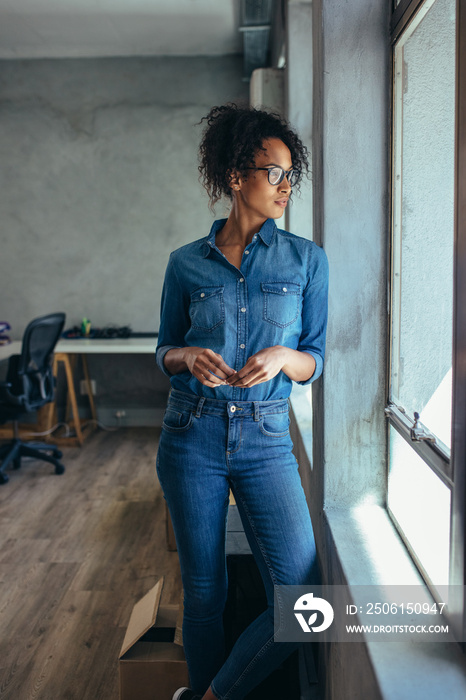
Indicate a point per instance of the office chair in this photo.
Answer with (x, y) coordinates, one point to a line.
(29, 385)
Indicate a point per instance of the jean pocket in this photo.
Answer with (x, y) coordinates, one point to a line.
(275, 424)
(281, 302)
(177, 421)
(207, 309)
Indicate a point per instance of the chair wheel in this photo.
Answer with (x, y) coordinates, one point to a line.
(4, 478)
(58, 454)
(59, 469)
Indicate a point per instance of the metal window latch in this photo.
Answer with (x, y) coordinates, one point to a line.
(390, 412)
(419, 432)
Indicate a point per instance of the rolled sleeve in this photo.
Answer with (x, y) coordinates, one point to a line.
(315, 312)
(174, 321)
(160, 354)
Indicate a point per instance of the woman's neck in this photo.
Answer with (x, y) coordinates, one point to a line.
(239, 229)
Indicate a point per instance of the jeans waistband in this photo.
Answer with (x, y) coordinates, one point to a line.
(222, 407)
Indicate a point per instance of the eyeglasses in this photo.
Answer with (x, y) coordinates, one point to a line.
(276, 175)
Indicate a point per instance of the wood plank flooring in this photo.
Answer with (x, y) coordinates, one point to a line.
(76, 552)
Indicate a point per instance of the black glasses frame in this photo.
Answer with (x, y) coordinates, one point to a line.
(292, 175)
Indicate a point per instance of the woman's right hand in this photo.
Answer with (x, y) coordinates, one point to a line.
(206, 365)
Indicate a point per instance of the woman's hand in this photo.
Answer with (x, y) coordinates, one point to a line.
(261, 367)
(206, 365)
(267, 363)
(211, 370)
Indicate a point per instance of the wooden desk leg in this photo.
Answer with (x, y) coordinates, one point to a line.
(89, 388)
(72, 359)
(49, 411)
(63, 357)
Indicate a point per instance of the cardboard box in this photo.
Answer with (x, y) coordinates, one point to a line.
(151, 665)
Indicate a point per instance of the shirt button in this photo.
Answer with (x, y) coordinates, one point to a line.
(284, 289)
(243, 309)
(242, 346)
(232, 409)
(241, 279)
(246, 252)
(203, 295)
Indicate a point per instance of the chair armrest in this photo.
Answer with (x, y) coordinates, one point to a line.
(7, 397)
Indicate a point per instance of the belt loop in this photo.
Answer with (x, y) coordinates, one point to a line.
(256, 410)
(200, 404)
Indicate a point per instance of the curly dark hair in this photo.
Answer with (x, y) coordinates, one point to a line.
(231, 140)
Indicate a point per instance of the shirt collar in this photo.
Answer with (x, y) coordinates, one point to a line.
(266, 232)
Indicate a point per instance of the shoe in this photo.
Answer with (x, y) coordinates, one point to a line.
(185, 694)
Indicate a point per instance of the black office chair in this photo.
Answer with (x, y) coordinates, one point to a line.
(29, 385)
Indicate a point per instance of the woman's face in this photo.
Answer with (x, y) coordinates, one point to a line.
(256, 193)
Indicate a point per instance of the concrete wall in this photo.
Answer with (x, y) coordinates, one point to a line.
(350, 140)
(98, 183)
(351, 194)
(299, 104)
(353, 199)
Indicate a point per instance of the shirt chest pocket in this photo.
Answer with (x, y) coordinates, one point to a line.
(207, 309)
(281, 302)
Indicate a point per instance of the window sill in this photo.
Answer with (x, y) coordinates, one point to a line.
(370, 551)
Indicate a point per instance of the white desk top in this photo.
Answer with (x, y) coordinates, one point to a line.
(13, 348)
(108, 345)
(112, 346)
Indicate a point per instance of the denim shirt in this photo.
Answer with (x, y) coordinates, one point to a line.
(277, 297)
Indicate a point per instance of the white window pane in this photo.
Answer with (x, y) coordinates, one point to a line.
(421, 503)
(424, 132)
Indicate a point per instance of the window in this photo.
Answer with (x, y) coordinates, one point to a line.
(426, 469)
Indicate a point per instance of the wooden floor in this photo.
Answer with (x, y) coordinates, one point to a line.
(76, 552)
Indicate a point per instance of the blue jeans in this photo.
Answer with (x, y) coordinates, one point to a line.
(208, 446)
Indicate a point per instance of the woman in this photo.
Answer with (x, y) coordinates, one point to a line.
(244, 313)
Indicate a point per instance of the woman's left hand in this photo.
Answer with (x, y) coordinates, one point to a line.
(260, 367)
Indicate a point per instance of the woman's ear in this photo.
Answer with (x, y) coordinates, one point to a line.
(235, 180)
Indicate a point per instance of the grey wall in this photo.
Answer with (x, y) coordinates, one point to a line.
(299, 104)
(350, 175)
(98, 181)
(352, 197)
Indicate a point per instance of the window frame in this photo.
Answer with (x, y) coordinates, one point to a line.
(401, 16)
(458, 458)
(452, 471)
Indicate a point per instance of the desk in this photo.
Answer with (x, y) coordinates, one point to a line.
(13, 348)
(86, 346)
(66, 351)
